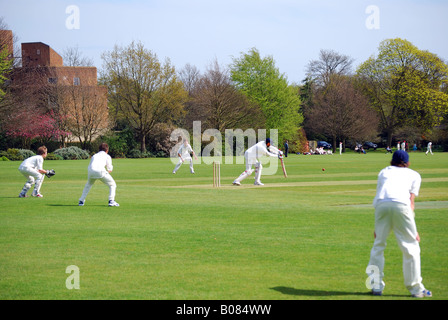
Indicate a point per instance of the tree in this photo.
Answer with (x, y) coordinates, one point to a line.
(262, 82)
(73, 58)
(143, 91)
(5, 68)
(28, 124)
(221, 105)
(404, 85)
(340, 111)
(329, 63)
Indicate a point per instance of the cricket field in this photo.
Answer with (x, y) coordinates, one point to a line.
(175, 237)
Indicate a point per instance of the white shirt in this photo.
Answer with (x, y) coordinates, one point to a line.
(34, 162)
(185, 151)
(396, 184)
(258, 150)
(99, 163)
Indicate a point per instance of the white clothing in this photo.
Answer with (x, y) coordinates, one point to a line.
(100, 164)
(429, 148)
(185, 154)
(393, 212)
(252, 156)
(396, 184)
(254, 153)
(35, 162)
(30, 169)
(185, 151)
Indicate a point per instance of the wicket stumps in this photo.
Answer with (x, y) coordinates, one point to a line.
(216, 174)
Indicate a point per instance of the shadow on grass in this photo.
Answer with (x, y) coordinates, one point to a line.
(323, 293)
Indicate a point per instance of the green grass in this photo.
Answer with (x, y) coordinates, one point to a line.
(175, 237)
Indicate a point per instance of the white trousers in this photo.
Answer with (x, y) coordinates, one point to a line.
(33, 177)
(106, 179)
(180, 163)
(399, 218)
(249, 170)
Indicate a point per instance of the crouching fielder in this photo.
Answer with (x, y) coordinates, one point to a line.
(252, 158)
(32, 169)
(184, 154)
(397, 187)
(100, 168)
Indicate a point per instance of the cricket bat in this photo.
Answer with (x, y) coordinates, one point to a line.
(283, 167)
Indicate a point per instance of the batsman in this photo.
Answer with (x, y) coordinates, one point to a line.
(252, 158)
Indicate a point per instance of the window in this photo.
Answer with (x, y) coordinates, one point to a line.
(76, 81)
(38, 51)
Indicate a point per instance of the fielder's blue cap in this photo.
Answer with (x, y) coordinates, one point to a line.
(268, 140)
(400, 156)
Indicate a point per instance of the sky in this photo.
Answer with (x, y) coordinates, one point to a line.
(199, 32)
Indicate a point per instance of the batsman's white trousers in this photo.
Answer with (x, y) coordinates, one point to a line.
(33, 177)
(106, 179)
(399, 218)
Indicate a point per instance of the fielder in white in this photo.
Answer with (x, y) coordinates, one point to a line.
(429, 148)
(32, 169)
(397, 188)
(100, 168)
(252, 158)
(184, 153)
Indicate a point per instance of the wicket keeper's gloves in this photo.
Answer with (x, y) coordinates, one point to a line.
(50, 173)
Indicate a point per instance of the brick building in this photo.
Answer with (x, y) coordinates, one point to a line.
(6, 41)
(72, 92)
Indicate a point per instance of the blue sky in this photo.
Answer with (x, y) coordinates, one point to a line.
(200, 31)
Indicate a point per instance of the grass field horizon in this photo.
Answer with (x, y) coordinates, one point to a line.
(174, 237)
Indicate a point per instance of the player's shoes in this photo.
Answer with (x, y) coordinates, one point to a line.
(236, 183)
(21, 195)
(38, 195)
(424, 294)
(377, 292)
(112, 203)
(80, 203)
(257, 183)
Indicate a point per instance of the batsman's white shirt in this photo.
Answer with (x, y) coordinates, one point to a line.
(395, 184)
(99, 163)
(256, 151)
(34, 162)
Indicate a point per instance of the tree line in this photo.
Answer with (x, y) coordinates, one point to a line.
(400, 93)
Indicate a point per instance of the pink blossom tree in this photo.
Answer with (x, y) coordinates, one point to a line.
(31, 124)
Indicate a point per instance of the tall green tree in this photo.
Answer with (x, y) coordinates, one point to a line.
(404, 86)
(260, 80)
(5, 68)
(143, 91)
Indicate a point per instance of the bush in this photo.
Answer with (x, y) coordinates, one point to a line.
(72, 153)
(136, 153)
(52, 156)
(12, 154)
(3, 158)
(25, 153)
(120, 143)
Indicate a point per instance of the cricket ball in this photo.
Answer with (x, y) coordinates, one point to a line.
(323, 169)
